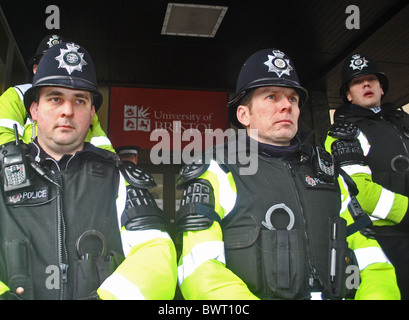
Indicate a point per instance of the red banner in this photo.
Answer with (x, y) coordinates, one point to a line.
(135, 113)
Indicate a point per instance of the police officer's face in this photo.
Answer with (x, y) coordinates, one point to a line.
(130, 157)
(273, 112)
(365, 91)
(63, 119)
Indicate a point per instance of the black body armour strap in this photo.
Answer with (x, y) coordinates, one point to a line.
(196, 211)
(362, 222)
(347, 149)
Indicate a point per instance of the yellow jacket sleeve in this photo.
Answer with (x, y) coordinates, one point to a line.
(202, 272)
(377, 274)
(3, 289)
(12, 111)
(148, 271)
(384, 206)
(96, 135)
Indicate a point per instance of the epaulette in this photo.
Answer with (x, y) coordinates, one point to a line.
(344, 130)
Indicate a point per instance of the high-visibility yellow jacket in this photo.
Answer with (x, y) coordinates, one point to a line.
(202, 271)
(13, 111)
(384, 206)
(382, 191)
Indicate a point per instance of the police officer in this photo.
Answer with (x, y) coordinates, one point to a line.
(276, 233)
(371, 141)
(70, 227)
(128, 153)
(13, 112)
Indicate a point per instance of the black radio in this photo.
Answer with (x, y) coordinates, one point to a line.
(14, 166)
(324, 165)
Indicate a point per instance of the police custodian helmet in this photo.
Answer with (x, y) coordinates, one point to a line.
(45, 44)
(358, 65)
(127, 150)
(268, 67)
(65, 65)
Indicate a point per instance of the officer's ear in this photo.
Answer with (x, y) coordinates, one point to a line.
(35, 67)
(243, 115)
(349, 97)
(92, 113)
(33, 110)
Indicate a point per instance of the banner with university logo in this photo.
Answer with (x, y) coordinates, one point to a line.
(135, 113)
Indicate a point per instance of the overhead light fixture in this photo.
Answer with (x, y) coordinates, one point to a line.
(192, 20)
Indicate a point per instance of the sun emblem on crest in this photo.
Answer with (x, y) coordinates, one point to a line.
(278, 64)
(71, 59)
(358, 62)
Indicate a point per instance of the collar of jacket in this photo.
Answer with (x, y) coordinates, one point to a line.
(352, 110)
(67, 161)
(271, 151)
(346, 111)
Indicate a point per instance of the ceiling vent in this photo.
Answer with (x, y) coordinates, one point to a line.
(192, 20)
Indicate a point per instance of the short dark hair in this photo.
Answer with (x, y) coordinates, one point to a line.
(246, 100)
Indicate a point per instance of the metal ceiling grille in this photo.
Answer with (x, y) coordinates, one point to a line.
(192, 20)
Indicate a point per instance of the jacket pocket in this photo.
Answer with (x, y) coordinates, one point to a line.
(242, 258)
(90, 273)
(271, 262)
(18, 268)
(284, 263)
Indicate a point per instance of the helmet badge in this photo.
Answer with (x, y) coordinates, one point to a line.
(358, 62)
(54, 39)
(278, 64)
(71, 59)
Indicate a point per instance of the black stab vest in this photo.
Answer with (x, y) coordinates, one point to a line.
(277, 263)
(57, 244)
(388, 138)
